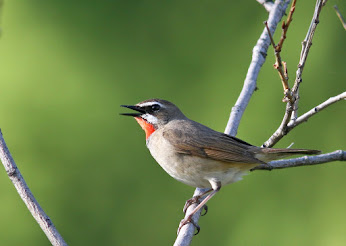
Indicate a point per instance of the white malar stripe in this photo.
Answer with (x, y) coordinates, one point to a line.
(150, 104)
(150, 118)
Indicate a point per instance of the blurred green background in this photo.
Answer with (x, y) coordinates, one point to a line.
(66, 66)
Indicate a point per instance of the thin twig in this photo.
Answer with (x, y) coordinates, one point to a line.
(270, 35)
(285, 26)
(279, 64)
(282, 130)
(292, 107)
(28, 198)
(258, 58)
(338, 155)
(341, 18)
(315, 110)
(306, 44)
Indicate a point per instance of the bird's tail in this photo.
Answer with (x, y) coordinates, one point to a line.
(269, 154)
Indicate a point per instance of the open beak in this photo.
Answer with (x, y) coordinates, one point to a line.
(136, 108)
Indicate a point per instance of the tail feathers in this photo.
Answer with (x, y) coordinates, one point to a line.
(269, 154)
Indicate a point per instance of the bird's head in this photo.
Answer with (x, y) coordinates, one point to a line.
(154, 113)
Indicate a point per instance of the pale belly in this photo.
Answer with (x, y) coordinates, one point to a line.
(199, 172)
(196, 171)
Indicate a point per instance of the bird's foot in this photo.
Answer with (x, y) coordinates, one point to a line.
(193, 200)
(189, 202)
(186, 221)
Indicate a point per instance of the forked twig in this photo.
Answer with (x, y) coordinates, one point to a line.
(286, 128)
(291, 107)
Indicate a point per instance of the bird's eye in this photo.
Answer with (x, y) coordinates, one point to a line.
(155, 107)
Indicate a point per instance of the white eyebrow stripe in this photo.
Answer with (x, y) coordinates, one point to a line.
(150, 104)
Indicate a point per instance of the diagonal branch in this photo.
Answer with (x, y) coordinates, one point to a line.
(259, 54)
(28, 198)
(306, 44)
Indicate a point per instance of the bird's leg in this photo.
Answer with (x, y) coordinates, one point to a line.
(195, 199)
(188, 219)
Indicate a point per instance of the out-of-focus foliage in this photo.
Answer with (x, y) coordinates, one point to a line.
(66, 66)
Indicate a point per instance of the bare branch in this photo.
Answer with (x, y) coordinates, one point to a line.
(267, 4)
(279, 65)
(259, 54)
(282, 130)
(315, 110)
(291, 107)
(338, 155)
(270, 35)
(340, 16)
(28, 198)
(306, 44)
(288, 125)
(187, 232)
(258, 57)
(285, 26)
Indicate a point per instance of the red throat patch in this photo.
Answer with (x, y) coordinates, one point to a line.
(147, 127)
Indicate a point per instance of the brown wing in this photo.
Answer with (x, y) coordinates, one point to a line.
(192, 138)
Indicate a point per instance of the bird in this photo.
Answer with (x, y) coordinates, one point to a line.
(197, 155)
